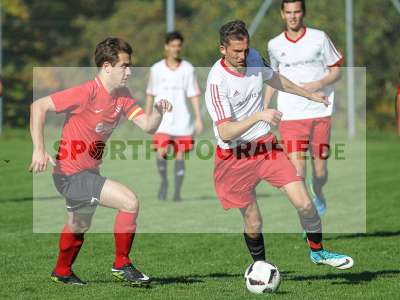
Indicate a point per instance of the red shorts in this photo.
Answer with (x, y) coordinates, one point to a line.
(236, 176)
(299, 135)
(179, 143)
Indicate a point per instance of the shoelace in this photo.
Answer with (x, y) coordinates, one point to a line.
(327, 255)
(132, 270)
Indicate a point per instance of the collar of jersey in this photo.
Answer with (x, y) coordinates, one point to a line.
(229, 70)
(298, 38)
(169, 68)
(101, 86)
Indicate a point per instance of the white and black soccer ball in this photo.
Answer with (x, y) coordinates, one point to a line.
(262, 277)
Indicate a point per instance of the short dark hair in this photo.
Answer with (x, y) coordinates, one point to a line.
(234, 30)
(173, 35)
(109, 49)
(303, 4)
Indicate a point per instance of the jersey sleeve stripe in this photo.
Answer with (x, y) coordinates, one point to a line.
(136, 112)
(216, 108)
(338, 63)
(338, 54)
(219, 102)
(223, 121)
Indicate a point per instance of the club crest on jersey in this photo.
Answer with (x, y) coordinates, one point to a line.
(104, 128)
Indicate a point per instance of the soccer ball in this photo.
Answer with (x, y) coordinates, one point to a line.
(262, 277)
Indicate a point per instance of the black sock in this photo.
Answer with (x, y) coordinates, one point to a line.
(314, 241)
(162, 168)
(255, 246)
(313, 227)
(179, 175)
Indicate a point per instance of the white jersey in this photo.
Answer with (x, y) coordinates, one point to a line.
(303, 60)
(231, 96)
(175, 86)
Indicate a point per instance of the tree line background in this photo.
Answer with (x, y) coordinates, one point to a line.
(39, 33)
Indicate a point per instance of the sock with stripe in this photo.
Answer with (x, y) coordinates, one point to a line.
(313, 227)
(255, 246)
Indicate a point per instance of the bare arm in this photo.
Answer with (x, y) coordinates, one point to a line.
(40, 157)
(281, 83)
(197, 114)
(149, 104)
(150, 122)
(332, 77)
(233, 129)
(268, 94)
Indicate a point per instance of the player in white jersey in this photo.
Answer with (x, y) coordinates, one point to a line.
(174, 78)
(247, 150)
(307, 57)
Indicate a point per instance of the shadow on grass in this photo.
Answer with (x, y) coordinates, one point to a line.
(199, 278)
(349, 278)
(189, 279)
(363, 235)
(30, 199)
(194, 278)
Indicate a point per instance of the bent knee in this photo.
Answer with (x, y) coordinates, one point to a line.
(131, 204)
(79, 227)
(320, 173)
(306, 209)
(254, 224)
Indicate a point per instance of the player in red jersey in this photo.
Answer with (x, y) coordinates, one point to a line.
(93, 110)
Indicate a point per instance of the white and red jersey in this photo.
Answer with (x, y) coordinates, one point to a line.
(303, 60)
(232, 96)
(175, 85)
(91, 115)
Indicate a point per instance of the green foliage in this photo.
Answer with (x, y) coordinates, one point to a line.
(64, 33)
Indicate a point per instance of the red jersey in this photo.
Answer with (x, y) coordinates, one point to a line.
(92, 114)
(398, 90)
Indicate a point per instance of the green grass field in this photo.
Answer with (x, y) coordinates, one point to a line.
(195, 265)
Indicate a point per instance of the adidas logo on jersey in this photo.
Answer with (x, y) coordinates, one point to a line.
(283, 54)
(236, 93)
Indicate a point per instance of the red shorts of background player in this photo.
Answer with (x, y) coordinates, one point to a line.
(178, 143)
(236, 177)
(301, 135)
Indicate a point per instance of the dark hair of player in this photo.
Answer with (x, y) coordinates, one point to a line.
(108, 50)
(173, 35)
(234, 30)
(303, 4)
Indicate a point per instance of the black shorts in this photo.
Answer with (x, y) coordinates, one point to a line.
(81, 190)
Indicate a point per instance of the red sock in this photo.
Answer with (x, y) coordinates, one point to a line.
(124, 232)
(70, 244)
(314, 246)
